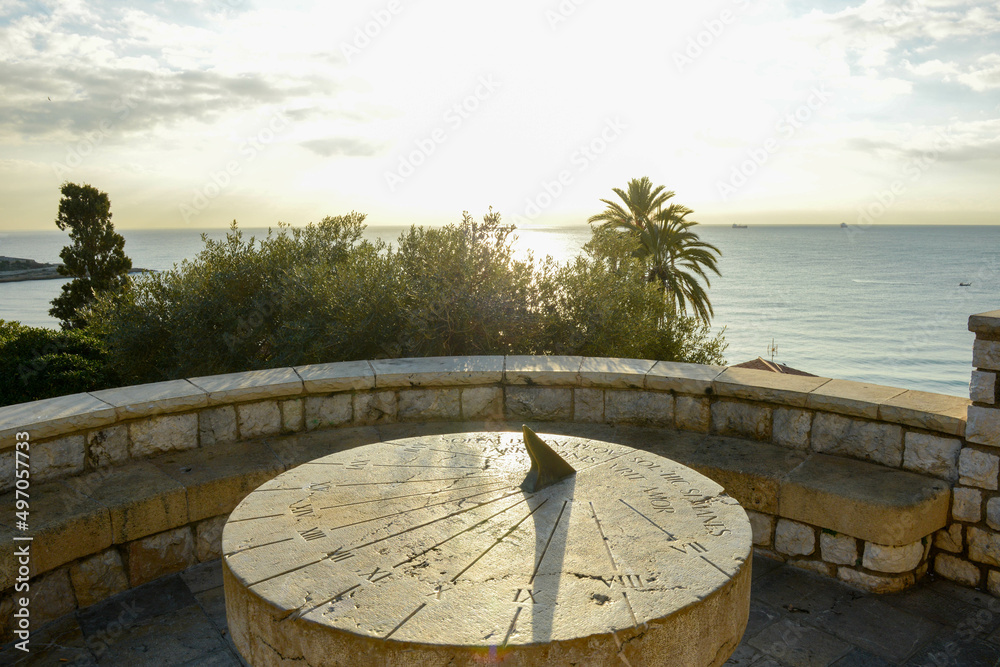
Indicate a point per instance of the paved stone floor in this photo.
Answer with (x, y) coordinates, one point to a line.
(796, 619)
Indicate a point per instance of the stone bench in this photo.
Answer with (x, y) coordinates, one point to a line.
(130, 484)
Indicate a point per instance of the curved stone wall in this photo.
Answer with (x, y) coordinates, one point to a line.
(849, 479)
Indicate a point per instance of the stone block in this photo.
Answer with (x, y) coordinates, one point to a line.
(51, 597)
(166, 433)
(539, 403)
(258, 419)
(376, 407)
(216, 479)
(794, 539)
(980, 469)
(338, 376)
(858, 399)
(984, 546)
(864, 500)
(217, 426)
(875, 583)
(65, 525)
(950, 539)
(141, 500)
(542, 370)
(429, 404)
(921, 409)
(52, 417)
(159, 555)
(692, 413)
(588, 405)
(268, 384)
(437, 371)
(869, 441)
(983, 387)
(791, 428)
(652, 408)
(985, 323)
(292, 415)
(484, 403)
(208, 538)
(762, 526)
(986, 354)
(895, 560)
(682, 378)
(328, 411)
(618, 373)
(755, 385)
(146, 400)
(993, 583)
(993, 513)
(107, 446)
(967, 505)
(838, 549)
(57, 458)
(932, 455)
(98, 577)
(983, 426)
(956, 569)
(745, 420)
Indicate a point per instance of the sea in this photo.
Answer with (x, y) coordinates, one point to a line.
(880, 304)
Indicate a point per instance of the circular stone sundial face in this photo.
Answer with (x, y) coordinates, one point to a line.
(431, 543)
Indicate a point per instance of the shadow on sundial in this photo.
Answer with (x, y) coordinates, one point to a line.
(551, 525)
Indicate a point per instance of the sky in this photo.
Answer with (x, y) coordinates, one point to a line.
(193, 113)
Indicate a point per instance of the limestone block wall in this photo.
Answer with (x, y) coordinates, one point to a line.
(848, 479)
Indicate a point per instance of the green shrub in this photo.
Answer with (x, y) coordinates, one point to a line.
(38, 363)
(321, 294)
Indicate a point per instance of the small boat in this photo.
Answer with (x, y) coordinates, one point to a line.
(843, 225)
(964, 284)
(735, 226)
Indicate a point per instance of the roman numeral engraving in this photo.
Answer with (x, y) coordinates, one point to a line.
(525, 594)
(630, 580)
(440, 588)
(320, 486)
(339, 554)
(359, 464)
(303, 508)
(377, 574)
(312, 534)
(697, 548)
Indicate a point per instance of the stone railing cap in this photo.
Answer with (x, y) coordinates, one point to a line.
(250, 385)
(614, 372)
(542, 370)
(921, 409)
(151, 399)
(336, 376)
(859, 399)
(53, 416)
(988, 322)
(437, 371)
(685, 378)
(748, 383)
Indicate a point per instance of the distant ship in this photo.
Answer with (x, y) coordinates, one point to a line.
(964, 284)
(843, 225)
(735, 226)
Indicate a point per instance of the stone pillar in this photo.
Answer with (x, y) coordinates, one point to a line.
(976, 500)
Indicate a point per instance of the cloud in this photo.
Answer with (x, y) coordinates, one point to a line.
(986, 77)
(349, 146)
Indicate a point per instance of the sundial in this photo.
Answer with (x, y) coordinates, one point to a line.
(488, 548)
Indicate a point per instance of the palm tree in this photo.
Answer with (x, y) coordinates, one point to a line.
(677, 259)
